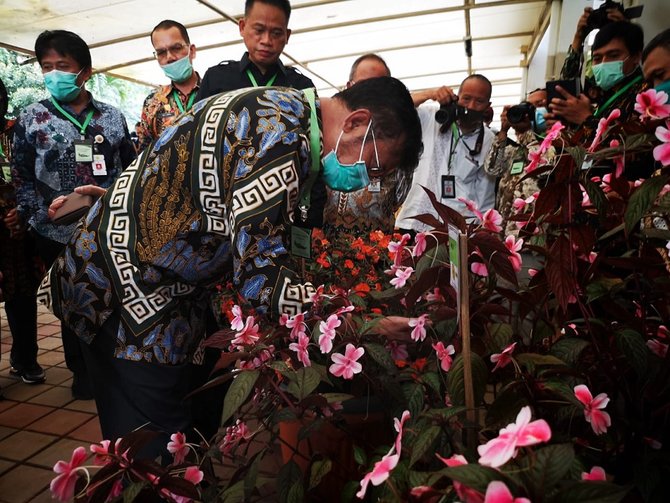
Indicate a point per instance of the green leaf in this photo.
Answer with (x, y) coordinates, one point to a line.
(289, 482)
(320, 469)
(500, 336)
(238, 392)
(435, 256)
(561, 390)
(456, 379)
(568, 349)
(475, 476)
(132, 491)
(632, 346)
(251, 478)
(507, 405)
(578, 153)
(303, 382)
(546, 468)
(381, 355)
(423, 442)
(596, 195)
(234, 494)
(591, 492)
(360, 456)
(432, 379)
(601, 287)
(445, 413)
(642, 200)
(535, 359)
(414, 395)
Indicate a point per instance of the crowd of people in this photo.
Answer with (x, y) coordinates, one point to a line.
(230, 173)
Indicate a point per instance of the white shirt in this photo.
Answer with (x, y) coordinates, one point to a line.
(471, 180)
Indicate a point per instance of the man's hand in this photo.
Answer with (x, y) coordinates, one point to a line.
(442, 94)
(13, 222)
(582, 30)
(574, 110)
(87, 190)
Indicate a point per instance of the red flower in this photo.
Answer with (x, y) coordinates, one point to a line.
(62, 487)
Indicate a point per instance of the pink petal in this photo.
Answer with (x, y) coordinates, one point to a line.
(600, 401)
(497, 492)
(498, 451)
(536, 432)
(596, 473)
(600, 421)
(583, 394)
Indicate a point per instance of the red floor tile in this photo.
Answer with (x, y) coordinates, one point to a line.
(23, 414)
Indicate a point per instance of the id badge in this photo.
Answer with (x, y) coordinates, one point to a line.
(83, 150)
(375, 185)
(99, 166)
(448, 187)
(301, 242)
(517, 168)
(6, 171)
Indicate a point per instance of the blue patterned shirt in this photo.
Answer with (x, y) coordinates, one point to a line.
(44, 166)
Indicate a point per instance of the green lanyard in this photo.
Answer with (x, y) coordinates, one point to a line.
(82, 127)
(315, 147)
(2, 152)
(253, 80)
(191, 99)
(625, 88)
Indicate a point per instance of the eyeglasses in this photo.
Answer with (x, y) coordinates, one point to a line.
(174, 49)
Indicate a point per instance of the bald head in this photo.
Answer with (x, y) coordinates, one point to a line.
(368, 66)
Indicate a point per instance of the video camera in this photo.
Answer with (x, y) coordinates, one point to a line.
(517, 113)
(598, 18)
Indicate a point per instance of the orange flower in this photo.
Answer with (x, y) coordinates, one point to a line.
(362, 288)
(419, 364)
(348, 264)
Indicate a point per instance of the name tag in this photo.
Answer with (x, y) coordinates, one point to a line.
(6, 171)
(301, 242)
(517, 168)
(99, 166)
(448, 186)
(83, 151)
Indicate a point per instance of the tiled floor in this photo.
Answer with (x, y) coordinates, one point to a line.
(39, 424)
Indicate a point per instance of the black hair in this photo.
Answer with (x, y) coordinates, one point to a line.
(480, 77)
(166, 24)
(536, 90)
(630, 33)
(393, 114)
(362, 58)
(660, 40)
(64, 43)
(284, 5)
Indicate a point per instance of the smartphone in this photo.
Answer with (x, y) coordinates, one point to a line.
(75, 206)
(572, 86)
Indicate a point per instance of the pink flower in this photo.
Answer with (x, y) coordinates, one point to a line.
(419, 244)
(300, 347)
(662, 151)
(596, 473)
(419, 324)
(619, 160)
(492, 220)
(657, 347)
(346, 365)
(178, 447)
(327, 329)
(652, 104)
(101, 452)
(397, 246)
(514, 246)
(444, 355)
(343, 310)
(237, 323)
(535, 157)
(234, 435)
(62, 487)
(296, 324)
(503, 359)
(498, 492)
(465, 493)
(398, 351)
(316, 296)
(436, 295)
(248, 336)
(480, 269)
(402, 275)
(522, 433)
(603, 124)
(398, 426)
(192, 475)
(472, 207)
(663, 332)
(599, 419)
(532, 272)
(379, 473)
(552, 134)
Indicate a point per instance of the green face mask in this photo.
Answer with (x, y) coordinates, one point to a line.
(178, 71)
(62, 85)
(664, 86)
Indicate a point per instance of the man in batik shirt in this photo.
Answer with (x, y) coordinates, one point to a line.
(212, 200)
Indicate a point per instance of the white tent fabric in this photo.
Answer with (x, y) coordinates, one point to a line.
(422, 41)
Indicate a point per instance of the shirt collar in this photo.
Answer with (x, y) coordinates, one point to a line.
(246, 62)
(172, 87)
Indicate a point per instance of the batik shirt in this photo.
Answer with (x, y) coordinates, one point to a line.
(160, 109)
(44, 166)
(210, 202)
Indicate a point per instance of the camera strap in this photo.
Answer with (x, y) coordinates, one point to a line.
(456, 136)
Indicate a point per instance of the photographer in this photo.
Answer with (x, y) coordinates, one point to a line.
(507, 158)
(455, 143)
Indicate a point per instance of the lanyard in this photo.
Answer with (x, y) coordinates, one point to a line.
(82, 127)
(456, 134)
(2, 152)
(315, 147)
(625, 88)
(253, 80)
(180, 105)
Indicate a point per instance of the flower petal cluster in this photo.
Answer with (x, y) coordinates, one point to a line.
(503, 359)
(247, 336)
(178, 447)
(419, 330)
(603, 125)
(327, 335)
(597, 473)
(599, 419)
(62, 487)
(514, 246)
(402, 274)
(498, 492)
(662, 151)
(444, 355)
(346, 365)
(651, 104)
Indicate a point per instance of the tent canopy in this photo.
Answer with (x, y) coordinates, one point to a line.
(422, 42)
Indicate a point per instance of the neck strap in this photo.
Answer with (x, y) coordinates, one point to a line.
(180, 104)
(601, 109)
(255, 84)
(315, 151)
(82, 127)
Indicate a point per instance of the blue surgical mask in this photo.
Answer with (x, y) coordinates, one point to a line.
(178, 71)
(664, 86)
(348, 177)
(62, 85)
(540, 123)
(608, 74)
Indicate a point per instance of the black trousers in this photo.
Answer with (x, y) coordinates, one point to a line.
(22, 319)
(49, 251)
(130, 395)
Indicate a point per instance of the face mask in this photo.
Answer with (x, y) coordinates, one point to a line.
(608, 74)
(664, 86)
(348, 177)
(540, 123)
(469, 117)
(62, 85)
(178, 71)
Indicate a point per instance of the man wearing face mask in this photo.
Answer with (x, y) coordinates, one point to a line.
(507, 159)
(67, 141)
(656, 62)
(616, 53)
(175, 53)
(226, 194)
(452, 165)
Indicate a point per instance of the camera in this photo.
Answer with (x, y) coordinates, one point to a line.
(447, 113)
(598, 18)
(518, 112)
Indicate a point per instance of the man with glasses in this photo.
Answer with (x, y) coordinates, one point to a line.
(175, 53)
(264, 29)
(452, 164)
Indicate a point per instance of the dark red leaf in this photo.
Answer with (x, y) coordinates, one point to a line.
(560, 271)
(448, 215)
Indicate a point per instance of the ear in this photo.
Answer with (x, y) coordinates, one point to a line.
(288, 35)
(86, 74)
(241, 24)
(192, 50)
(359, 118)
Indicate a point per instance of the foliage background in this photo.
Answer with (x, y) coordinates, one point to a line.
(25, 86)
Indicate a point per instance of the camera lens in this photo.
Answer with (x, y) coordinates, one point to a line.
(446, 114)
(517, 113)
